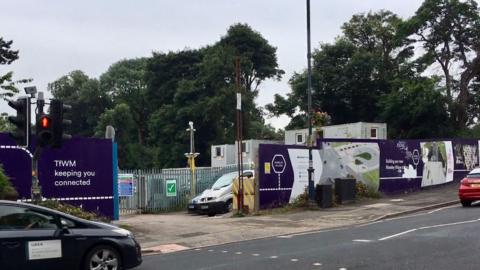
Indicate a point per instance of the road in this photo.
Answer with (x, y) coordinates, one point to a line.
(445, 238)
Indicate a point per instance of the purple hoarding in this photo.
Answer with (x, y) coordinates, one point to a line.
(389, 166)
(80, 173)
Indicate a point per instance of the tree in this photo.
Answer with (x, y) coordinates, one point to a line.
(416, 110)
(351, 75)
(125, 83)
(449, 32)
(7, 56)
(87, 99)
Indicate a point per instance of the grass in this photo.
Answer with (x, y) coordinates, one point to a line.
(365, 155)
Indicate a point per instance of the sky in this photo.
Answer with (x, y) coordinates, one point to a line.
(55, 37)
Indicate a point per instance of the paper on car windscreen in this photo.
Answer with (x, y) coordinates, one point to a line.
(38, 250)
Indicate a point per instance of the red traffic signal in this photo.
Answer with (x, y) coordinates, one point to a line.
(45, 122)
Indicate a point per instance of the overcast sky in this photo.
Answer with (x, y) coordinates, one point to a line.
(57, 36)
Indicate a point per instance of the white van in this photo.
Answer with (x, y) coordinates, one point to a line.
(218, 198)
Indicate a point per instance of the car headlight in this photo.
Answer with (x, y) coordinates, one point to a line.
(123, 232)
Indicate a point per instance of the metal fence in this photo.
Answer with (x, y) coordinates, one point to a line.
(150, 192)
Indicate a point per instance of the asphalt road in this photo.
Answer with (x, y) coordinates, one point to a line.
(446, 238)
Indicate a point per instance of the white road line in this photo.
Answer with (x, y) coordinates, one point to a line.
(238, 253)
(362, 240)
(429, 227)
(317, 264)
(443, 208)
(224, 251)
(294, 260)
(255, 254)
(395, 235)
(273, 257)
(285, 236)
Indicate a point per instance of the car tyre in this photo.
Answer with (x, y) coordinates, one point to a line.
(466, 203)
(104, 256)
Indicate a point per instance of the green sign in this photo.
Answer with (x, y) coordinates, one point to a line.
(171, 187)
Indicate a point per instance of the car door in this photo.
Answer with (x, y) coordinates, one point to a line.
(30, 238)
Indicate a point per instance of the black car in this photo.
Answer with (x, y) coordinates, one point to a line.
(38, 238)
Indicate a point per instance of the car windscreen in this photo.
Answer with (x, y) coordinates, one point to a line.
(224, 180)
(473, 175)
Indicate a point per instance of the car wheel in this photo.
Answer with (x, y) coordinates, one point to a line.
(466, 203)
(103, 258)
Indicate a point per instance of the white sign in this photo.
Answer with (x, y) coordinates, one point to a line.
(38, 250)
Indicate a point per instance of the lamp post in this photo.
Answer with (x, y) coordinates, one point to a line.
(311, 188)
(191, 158)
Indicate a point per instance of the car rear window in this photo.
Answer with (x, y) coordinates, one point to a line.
(473, 175)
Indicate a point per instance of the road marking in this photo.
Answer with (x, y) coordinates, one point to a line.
(443, 208)
(255, 254)
(197, 249)
(285, 236)
(211, 250)
(273, 257)
(397, 234)
(238, 253)
(362, 240)
(429, 227)
(224, 251)
(343, 268)
(317, 264)
(294, 260)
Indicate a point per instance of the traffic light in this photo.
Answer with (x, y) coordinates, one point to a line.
(59, 124)
(44, 130)
(21, 121)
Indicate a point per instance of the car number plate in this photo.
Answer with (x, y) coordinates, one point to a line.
(191, 206)
(204, 206)
(475, 185)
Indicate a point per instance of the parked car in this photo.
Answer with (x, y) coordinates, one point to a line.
(35, 237)
(218, 198)
(469, 190)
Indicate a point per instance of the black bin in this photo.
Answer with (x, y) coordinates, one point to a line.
(345, 190)
(323, 195)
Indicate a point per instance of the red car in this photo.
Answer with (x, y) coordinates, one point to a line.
(469, 190)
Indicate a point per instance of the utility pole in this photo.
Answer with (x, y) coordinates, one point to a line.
(191, 158)
(239, 136)
(311, 188)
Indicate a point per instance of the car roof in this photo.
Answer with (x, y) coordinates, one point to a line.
(475, 171)
(17, 203)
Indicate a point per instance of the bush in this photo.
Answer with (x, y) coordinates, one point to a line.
(71, 210)
(365, 191)
(7, 191)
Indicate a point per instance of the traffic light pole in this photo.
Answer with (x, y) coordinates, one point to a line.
(36, 189)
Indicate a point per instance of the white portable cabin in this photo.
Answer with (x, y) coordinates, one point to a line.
(222, 155)
(250, 149)
(359, 130)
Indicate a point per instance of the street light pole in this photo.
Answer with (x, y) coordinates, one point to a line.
(311, 188)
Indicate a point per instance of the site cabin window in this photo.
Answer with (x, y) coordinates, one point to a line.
(218, 151)
(373, 133)
(244, 147)
(299, 137)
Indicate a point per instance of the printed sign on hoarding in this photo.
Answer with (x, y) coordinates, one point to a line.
(125, 184)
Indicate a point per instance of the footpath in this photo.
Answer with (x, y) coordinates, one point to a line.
(164, 233)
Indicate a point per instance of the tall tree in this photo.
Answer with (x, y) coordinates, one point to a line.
(7, 83)
(449, 32)
(87, 99)
(125, 82)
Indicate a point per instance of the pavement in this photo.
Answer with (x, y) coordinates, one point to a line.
(166, 233)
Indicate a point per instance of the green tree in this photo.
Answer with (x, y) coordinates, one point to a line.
(86, 97)
(7, 56)
(449, 32)
(416, 110)
(125, 82)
